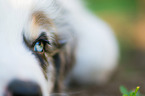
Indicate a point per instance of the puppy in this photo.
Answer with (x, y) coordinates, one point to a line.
(46, 43)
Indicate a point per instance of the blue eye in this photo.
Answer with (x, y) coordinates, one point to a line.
(39, 46)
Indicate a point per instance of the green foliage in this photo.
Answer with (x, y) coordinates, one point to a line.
(125, 92)
(112, 5)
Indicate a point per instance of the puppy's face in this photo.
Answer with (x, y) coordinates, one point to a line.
(28, 41)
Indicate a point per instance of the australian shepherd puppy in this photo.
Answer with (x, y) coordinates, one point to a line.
(46, 43)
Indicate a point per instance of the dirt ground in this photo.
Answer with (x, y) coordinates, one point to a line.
(130, 73)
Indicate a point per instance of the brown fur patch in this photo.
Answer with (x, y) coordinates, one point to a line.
(39, 20)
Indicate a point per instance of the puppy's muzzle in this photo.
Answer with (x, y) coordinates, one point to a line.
(23, 88)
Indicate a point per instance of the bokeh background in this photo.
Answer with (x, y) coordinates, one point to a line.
(127, 19)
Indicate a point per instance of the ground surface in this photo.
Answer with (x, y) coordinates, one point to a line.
(130, 73)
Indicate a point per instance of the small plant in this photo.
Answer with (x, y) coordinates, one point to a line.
(125, 92)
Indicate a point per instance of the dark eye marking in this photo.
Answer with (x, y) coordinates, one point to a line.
(42, 38)
(57, 62)
(38, 49)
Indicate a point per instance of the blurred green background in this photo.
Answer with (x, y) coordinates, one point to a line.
(127, 18)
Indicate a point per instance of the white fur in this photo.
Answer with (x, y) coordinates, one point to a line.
(97, 51)
(16, 61)
(96, 54)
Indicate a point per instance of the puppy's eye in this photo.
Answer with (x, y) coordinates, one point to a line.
(39, 46)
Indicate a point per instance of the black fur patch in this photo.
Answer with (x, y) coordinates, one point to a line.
(57, 62)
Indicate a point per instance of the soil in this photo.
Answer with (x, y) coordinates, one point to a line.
(130, 73)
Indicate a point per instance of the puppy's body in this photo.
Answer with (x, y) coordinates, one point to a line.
(97, 50)
(75, 44)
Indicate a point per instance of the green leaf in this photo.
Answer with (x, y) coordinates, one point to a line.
(136, 90)
(125, 95)
(132, 94)
(124, 91)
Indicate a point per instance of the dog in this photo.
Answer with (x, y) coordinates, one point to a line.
(47, 43)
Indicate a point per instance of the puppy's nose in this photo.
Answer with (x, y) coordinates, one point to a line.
(24, 88)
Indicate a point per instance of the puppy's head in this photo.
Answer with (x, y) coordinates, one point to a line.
(28, 42)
